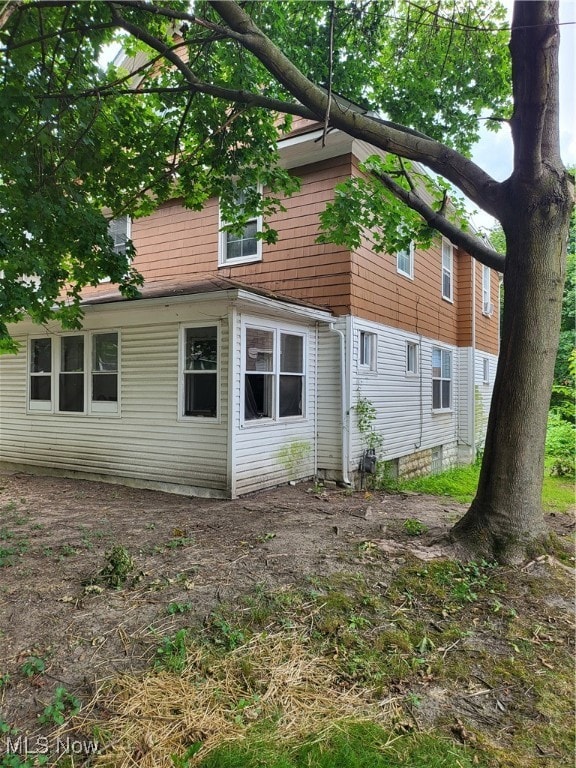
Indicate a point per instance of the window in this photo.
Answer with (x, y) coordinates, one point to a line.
(120, 230)
(487, 306)
(411, 357)
(273, 374)
(447, 269)
(71, 376)
(104, 381)
(486, 370)
(437, 461)
(441, 379)
(368, 350)
(242, 246)
(200, 392)
(40, 374)
(58, 380)
(405, 261)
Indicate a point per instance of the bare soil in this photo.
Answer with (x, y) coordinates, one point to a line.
(55, 534)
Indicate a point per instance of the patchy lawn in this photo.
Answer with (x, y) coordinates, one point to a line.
(295, 627)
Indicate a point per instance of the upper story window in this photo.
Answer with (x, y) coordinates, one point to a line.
(405, 262)
(447, 270)
(120, 230)
(274, 374)
(441, 379)
(368, 350)
(200, 372)
(58, 380)
(240, 247)
(487, 306)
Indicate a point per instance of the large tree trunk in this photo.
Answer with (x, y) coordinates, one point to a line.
(505, 520)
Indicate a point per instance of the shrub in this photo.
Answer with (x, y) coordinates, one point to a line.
(561, 444)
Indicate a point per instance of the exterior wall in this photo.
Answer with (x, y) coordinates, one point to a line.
(268, 452)
(482, 394)
(405, 419)
(176, 243)
(146, 443)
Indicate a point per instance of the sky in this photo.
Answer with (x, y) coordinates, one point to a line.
(494, 151)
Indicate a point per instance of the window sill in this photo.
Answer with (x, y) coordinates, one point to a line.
(440, 411)
(448, 299)
(405, 274)
(239, 262)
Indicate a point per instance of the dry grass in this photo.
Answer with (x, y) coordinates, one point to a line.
(272, 681)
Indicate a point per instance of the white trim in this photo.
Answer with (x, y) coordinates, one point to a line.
(223, 260)
(410, 253)
(449, 271)
(181, 416)
(371, 339)
(416, 347)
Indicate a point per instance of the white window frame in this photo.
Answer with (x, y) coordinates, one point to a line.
(447, 269)
(277, 332)
(409, 253)
(119, 245)
(182, 416)
(443, 352)
(486, 370)
(103, 406)
(367, 351)
(487, 306)
(415, 347)
(91, 407)
(223, 260)
(43, 406)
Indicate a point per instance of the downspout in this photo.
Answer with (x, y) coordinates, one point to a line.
(344, 409)
(472, 420)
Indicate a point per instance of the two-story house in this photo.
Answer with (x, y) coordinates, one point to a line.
(240, 366)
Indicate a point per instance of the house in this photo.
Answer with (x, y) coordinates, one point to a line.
(245, 365)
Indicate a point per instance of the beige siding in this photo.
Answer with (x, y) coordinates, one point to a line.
(330, 426)
(258, 445)
(146, 441)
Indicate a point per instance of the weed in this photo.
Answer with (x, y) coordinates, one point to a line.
(63, 706)
(4, 680)
(175, 608)
(224, 634)
(414, 527)
(172, 653)
(180, 541)
(119, 567)
(33, 666)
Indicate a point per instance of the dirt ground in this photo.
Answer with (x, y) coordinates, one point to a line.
(55, 533)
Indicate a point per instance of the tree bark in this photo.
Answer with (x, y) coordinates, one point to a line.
(505, 519)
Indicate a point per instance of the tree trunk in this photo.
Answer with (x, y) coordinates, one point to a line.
(505, 519)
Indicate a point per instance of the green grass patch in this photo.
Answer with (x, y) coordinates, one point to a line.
(460, 484)
(350, 745)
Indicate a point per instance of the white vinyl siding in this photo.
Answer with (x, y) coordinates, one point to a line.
(146, 443)
(403, 403)
(270, 451)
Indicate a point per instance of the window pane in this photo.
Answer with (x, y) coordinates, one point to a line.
(201, 349)
(446, 365)
(71, 392)
(446, 255)
(259, 350)
(411, 358)
(200, 394)
(40, 388)
(445, 394)
(290, 396)
(41, 356)
(105, 352)
(291, 353)
(436, 399)
(105, 387)
(72, 354)
(447, 285)
(258, 402)
(403, 262)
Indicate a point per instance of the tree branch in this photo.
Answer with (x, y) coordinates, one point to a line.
(435, 219)
(476, 184)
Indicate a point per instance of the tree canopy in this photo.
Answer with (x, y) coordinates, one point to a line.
(193, 109)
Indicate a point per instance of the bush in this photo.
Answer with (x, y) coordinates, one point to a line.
(561, 445)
